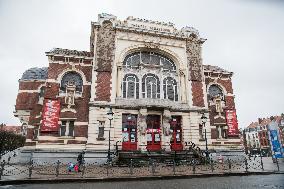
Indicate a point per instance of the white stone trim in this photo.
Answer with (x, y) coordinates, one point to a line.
(28, 91)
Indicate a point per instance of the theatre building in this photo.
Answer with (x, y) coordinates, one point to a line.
(151, 75)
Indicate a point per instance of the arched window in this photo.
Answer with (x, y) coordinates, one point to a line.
(170, 89)
(150, 86)
(215, 90)
(134, 60)
(74, 78)
(130, 86)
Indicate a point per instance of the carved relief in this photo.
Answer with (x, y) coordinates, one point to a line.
(141, 122)
(193, 51)
(105, 47)
(166, 122)
(70, 94)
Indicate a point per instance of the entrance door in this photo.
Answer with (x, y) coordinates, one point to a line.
(153, 132)
(129, 132)
(176, 140)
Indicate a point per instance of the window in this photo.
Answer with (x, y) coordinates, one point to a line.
(222, 132)
(130, 86)
(149, 58)
(150, 86)
(74, 78)
(67, 128)
(214, 91)
(147, 84)
(170, 89)
(101, 130)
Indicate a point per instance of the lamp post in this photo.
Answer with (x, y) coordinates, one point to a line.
(204, 120)
(110, 117)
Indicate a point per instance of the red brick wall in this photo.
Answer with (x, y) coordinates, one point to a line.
(55, 69)
(30, 133)
(197, 94)
(81, 130)
(30, 85)
(214, 133)
(51, 90)
(26, 101)
(103, 87)
(230, 103)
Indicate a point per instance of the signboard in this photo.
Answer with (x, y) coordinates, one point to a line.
(50, 115)
(276, 147)
(232, 122)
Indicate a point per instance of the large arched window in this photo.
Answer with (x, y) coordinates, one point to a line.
(74, 78)
(214, 91)
(150, 86)
(136, 59)
(130, 86)
(170, 89)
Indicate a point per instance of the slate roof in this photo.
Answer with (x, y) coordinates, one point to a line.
(35, 73)
(68, 52)
(210, 68)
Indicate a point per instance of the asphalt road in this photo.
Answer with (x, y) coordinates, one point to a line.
(233, 182)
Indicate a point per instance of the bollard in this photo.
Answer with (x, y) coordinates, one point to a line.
(261, 163)
(246, 164)
(174, 166)
(277, 163)
(30, 169)
(152, 166)
(212, 165)
(83, 170)
(230, 164)
(131, 167)
(2, 169)
(57, 168)
(108, 165)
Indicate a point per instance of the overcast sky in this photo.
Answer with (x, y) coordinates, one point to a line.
(244, 36)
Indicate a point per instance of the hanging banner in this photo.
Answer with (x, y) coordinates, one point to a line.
(232, 122)
(50, 115)
(275, 143)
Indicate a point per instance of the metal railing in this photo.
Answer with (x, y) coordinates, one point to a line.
(141, 168)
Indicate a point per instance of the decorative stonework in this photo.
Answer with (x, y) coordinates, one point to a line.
(105, 47)
(193, 52)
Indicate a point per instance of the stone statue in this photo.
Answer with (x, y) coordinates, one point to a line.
(218, 104)
(70, 94)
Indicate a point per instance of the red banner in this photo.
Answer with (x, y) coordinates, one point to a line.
(50, 116)
(232, 122)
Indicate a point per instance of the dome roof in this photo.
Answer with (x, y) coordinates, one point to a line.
(35, 73)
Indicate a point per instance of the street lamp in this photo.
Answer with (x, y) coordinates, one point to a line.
(110, 117)
(204, 120)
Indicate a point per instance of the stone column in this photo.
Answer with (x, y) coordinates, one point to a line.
(119, 80)
(183, 88)
(166, 136)
(142, 126)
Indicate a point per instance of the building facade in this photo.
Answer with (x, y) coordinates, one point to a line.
(153, 77)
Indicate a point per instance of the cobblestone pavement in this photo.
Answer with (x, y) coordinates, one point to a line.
(232, 182)
(51, 171)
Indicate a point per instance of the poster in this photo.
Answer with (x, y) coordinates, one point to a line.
(275, 144)
(232, 122)
(50, 115)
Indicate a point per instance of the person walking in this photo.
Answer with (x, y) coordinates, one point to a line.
(80, 160)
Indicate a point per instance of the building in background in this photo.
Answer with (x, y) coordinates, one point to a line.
(153, 77)
(257, 135)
